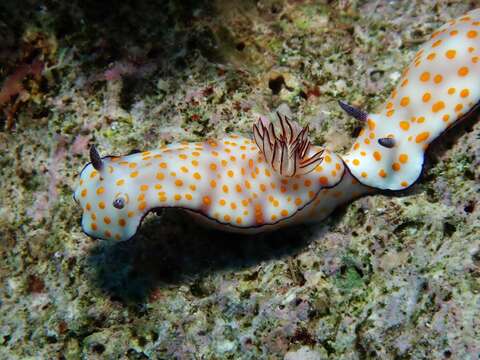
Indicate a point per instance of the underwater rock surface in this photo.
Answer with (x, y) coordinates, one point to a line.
(387, 276)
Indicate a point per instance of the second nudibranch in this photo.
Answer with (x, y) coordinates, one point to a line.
(280, 178)
(440, 86)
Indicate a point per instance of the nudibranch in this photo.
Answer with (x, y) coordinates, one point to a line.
(279, 178)
(439, 87)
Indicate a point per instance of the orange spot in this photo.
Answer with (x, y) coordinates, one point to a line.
(206, 200)
(453, 32)
(178, 182)
(143, 187)
(431, 56)
(134, 174)
(247, 184)
(404, 183)
(263, 187)
(213, 167)
(224, 163)
(88, 206)
(390, 113)
(239, 220)
(230, 173)
(450, 54)
(233, 205)
(436, 43)
(188, 196)
(328, 159)
(100, 190)
(438, 79)
(122, 222)
(108, 234)
(298, 201)
(464, 93)
(422, 137)
(132, 165)
(377, 156)
(323, 180)
(426, 97)
(472, 34)
(227, 218)
(222, 202)
(184, 169)
(421, 119)
(177, 197)
(356, 162)
(284, 212)
(403, 158)
(366, 141)
(84, 193)
(405, 125)
(94, 227)
(142, 206)
(160, 176)
(364, 174)
(130, 214)
(389, 105)
(463, 71)
(396, 166)
(404, 83)
(355, 147)
(197, 176)
(225, 188)
(458, 107)
(101, 205)
(382, 173)
(439, 105)
(425, 76)
(446, 117)
(405, 101)
(451, 91)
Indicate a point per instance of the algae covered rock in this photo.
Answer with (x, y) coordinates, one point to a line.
(387, 276)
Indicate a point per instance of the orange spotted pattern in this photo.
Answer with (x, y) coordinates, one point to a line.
(227, 180)
(440, 86)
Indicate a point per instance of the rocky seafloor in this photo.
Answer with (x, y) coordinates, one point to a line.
(390, 276)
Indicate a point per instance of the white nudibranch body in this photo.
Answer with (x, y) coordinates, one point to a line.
(440, 86)
(280, 178)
